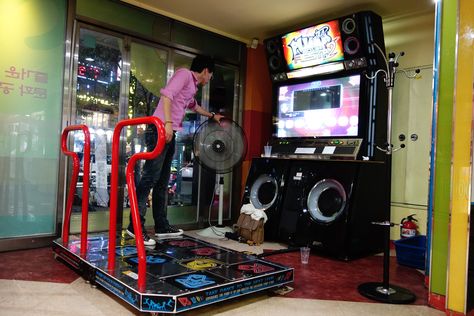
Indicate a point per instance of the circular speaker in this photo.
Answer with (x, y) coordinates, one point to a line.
(264, 192)
(272, 46)
(274, 62)
(326, 201)
(351, 45)
(349, 26)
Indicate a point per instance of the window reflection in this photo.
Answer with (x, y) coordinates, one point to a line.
(148, 70)
(182, 168)
(99, 69)
(99, 75)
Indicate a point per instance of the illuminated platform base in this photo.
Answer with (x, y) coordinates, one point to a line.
(182, 274)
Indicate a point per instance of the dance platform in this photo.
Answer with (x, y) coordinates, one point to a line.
(181, 273)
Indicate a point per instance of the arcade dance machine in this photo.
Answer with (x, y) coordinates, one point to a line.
(330, 114)
(177, 274)
(332, 109)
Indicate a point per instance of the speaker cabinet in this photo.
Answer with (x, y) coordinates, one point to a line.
(330, 205)
(275, 59)
(264, 190)
(359, 31)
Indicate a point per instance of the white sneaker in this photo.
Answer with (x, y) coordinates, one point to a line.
(169, 231)
(147, 241)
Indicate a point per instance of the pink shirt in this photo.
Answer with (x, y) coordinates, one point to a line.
(181, 90)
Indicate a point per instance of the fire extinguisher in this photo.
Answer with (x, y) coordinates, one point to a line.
(408, 226)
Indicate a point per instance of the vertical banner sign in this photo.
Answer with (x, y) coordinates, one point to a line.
(31, 72)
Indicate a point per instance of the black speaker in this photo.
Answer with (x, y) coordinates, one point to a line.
(264, 189)
(275, 58)
(330, 206)
(359, 32)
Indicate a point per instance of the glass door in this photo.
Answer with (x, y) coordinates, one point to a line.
(148, 73)
(194, 196)
(185, 175)
(99, 69)
(120, 78)
(223, 98)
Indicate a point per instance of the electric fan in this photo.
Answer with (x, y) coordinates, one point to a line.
(219, 147)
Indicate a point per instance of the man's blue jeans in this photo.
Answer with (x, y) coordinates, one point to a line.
(156, 175)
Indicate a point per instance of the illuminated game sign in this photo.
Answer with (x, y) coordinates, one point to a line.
(313, 46)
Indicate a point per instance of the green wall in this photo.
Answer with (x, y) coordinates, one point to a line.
(442, 186)
(31, 79)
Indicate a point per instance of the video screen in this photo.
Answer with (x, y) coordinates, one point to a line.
(319, 108)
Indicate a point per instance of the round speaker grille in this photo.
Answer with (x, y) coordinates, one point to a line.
(274, 62)
(264, 192)
(348, 25)
(351, 45)
(326, 201)
(272, 47)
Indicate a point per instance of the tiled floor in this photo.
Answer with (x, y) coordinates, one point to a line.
(33, 283)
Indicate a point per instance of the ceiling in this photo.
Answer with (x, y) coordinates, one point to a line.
(244, 20)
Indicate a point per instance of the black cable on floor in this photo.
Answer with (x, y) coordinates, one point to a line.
(277, 252)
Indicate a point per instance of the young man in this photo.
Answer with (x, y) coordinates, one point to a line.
(176, 97)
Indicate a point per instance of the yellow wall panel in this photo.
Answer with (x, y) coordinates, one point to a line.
(461, 160)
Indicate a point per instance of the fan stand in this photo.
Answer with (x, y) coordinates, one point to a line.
(219, 230)
(219, 147)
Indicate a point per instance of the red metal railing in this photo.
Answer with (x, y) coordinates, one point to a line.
(131, 191)
(73, 183)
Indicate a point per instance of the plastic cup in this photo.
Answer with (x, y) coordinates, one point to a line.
(267, 151)
(305, 254)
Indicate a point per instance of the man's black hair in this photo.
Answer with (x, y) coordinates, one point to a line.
(200, 62)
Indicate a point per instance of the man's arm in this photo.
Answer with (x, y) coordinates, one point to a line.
(217, 117)
(168, 122)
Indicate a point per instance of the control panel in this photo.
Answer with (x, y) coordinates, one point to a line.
(327, 148)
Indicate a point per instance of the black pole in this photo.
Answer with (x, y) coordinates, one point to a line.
(384, 291)
(386, 249)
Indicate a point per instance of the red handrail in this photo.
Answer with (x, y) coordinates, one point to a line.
(73, 183)
(131, 191)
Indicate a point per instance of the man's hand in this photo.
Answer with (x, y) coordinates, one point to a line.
(218, 117)
(169, 132)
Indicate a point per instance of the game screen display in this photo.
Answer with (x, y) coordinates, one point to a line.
(319, 108)
(313, 46)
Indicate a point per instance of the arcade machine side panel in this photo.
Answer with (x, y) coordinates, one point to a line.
(265, 188)
(370, 205)
(74, 261)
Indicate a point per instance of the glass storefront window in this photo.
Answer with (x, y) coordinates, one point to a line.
(31, 76)
(99, 71)
(193, 184)
(223, 99)
(148, 69)
(182, 166)
(99, 83)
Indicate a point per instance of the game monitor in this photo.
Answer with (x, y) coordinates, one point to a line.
(324, 88)
(318, 108)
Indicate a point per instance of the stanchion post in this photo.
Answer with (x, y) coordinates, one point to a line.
(73, 183)
(130, 170)
(384, 291)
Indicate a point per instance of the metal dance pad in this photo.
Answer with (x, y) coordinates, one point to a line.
(181, 274)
